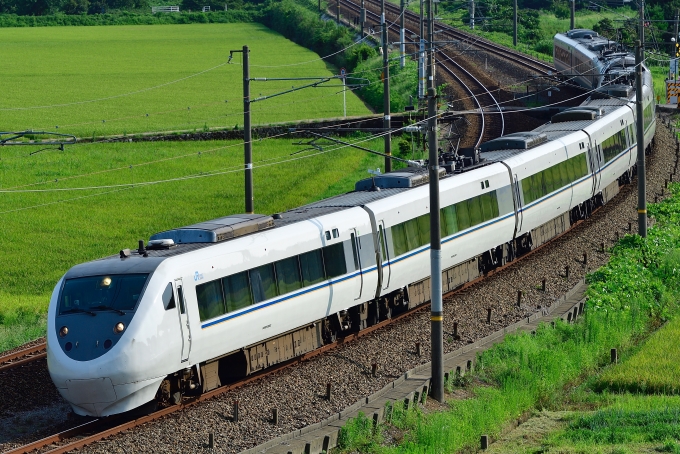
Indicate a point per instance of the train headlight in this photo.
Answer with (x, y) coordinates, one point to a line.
(63, 331)
(119, 328)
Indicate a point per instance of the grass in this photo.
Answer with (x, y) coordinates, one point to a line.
(100, 80)
(654, 369)
(43, 234)
(628, 298)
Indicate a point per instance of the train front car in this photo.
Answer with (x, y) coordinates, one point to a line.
(108, 344)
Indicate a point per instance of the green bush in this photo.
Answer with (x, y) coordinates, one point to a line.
(298, 23)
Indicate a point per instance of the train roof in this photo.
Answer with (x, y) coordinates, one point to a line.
(224, 229)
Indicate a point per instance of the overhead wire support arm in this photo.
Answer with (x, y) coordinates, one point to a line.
(12, 140)
(342, 142)
(319, 81)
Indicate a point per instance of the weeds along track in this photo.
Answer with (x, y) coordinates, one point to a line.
(475, 98)
(299, 393)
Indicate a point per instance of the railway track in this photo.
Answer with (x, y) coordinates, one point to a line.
(477, 96)
(23, 356)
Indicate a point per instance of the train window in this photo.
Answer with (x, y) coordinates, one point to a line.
(168, 297)
(237, 291)
(486, 183)
(311, 264)
(548, 180)
(334, 260)
(571, 169)
(564, 173)
(463, 215)
(489, 202)
(399, 239)
(288, 275)
(424, 229)
(263, 283)
(482, 185)
(449, 223)
(475, 211)
(412, 234)
(336, 233)
(210, 300)
(581, 165)
(328, 235)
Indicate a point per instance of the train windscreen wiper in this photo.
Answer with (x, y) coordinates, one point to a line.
(77, 309)
(102, 307)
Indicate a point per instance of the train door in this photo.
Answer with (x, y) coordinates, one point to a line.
(183, 319)
(594, 161)
(520, 211)
(357, 263)
(384, 254)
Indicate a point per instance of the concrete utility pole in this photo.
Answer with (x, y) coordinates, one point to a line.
(640, 126)
(247, 135)
(362, 18)
(472, 14)
(337, 13)
(402, 36)
(386, 90)
(421, 53)
(437, 308)
(514, 24)
(573, 13)
(674, 48)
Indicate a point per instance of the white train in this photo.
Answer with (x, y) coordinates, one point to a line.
(204, 304)
(591, 60)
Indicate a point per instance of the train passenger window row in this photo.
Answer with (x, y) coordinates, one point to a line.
(546, 181)
(414, 233)
(648, 114)
(614, 145)
(240, 290)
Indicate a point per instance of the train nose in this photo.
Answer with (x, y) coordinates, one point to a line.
(92, 395)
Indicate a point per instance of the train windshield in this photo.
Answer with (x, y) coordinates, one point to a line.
(116, 292)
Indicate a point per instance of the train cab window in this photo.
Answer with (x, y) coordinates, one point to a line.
(168, 297)
(288, 275)
(336, 233)
(334, 260)
(328, 235)
(237, 291)
(311, 264)
(486, 183)
(263, 283)
(210, 300)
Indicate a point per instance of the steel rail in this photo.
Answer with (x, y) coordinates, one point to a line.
(442, 55)
(23, 356)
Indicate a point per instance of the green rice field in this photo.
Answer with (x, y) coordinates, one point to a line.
(130, 79)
